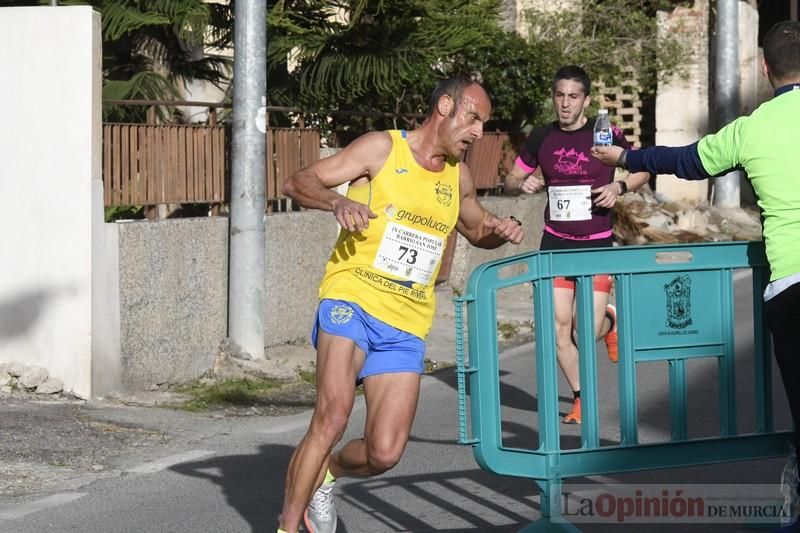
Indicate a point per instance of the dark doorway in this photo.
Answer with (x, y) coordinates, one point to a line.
(770, 12)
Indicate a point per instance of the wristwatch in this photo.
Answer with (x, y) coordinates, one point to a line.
(623, 187)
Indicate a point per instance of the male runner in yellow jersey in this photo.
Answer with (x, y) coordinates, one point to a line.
(407, 192)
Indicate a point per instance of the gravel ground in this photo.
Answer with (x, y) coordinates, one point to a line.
(49, 444)
(61, 442)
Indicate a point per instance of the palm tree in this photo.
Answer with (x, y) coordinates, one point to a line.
(152, 47)
(366, 55)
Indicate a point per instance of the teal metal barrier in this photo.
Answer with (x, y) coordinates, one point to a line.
(674, 304)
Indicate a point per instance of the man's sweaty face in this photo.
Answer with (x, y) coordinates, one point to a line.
(569, 102)
(471, 113)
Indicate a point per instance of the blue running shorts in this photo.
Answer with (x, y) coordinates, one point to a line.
(388, 349)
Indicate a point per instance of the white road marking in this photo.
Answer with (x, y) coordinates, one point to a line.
(301, 420)
(14, 511)
(166, 462)
(296, 422)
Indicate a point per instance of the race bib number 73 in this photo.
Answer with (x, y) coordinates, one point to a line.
(409, 253)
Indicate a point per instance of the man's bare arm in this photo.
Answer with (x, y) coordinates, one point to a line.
(312, 187)
(512, 182)
(518, 181)
(479, 226)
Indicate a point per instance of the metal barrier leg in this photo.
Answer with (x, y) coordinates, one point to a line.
(550, 504)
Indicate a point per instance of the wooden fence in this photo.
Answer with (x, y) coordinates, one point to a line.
(157, 164)
(152, 164)
(491, 157)
(288, 150)
(624, 104)
(148, 164)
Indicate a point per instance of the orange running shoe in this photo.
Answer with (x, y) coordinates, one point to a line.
(574, 416)
(611, 336)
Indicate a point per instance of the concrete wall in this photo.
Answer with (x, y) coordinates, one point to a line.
(527, 208)
(749, 58)
(172, 306)
(752, 81)
(50, 152)
(297, 248)
(172, 298)
(106, 371)
(173, 292)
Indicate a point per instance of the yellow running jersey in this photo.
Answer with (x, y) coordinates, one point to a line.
(390, 268)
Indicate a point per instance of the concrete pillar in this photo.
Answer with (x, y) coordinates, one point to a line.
(682, 104)
(51, 223)
(749, 59)
(682, 107)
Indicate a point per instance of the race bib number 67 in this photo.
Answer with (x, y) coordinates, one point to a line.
(409, 253)
(573, 202)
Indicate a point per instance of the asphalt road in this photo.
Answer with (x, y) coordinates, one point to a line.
(227, 475)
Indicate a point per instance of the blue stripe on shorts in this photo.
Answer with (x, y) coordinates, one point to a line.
(388, 349)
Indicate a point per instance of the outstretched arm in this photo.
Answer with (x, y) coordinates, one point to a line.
(713, 155)
(312, 187)
(479, 226)
(683, 161)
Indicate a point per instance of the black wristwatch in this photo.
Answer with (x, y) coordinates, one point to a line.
(623, 187)
(622, 162)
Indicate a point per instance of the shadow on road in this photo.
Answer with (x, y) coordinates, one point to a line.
(252, 484)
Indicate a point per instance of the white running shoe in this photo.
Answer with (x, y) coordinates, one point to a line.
(320, 515)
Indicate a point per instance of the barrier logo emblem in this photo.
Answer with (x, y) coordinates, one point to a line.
(679, 302)
(341, 314)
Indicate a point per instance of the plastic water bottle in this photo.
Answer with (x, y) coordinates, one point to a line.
(602, 129)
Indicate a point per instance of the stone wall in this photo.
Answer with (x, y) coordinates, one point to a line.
(172, 309)
(173, 298)
(173, 292)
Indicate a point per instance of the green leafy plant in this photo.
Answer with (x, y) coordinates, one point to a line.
(379, 56)
(612, 40)
(384, 55)
(507, 329)
(515, 73)
(125, 212)
(309, 376)
(229, 392)
(152, 48)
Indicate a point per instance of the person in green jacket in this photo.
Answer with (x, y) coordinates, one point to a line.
(766, 144)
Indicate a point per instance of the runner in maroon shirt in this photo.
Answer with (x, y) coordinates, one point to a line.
(581, 192)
